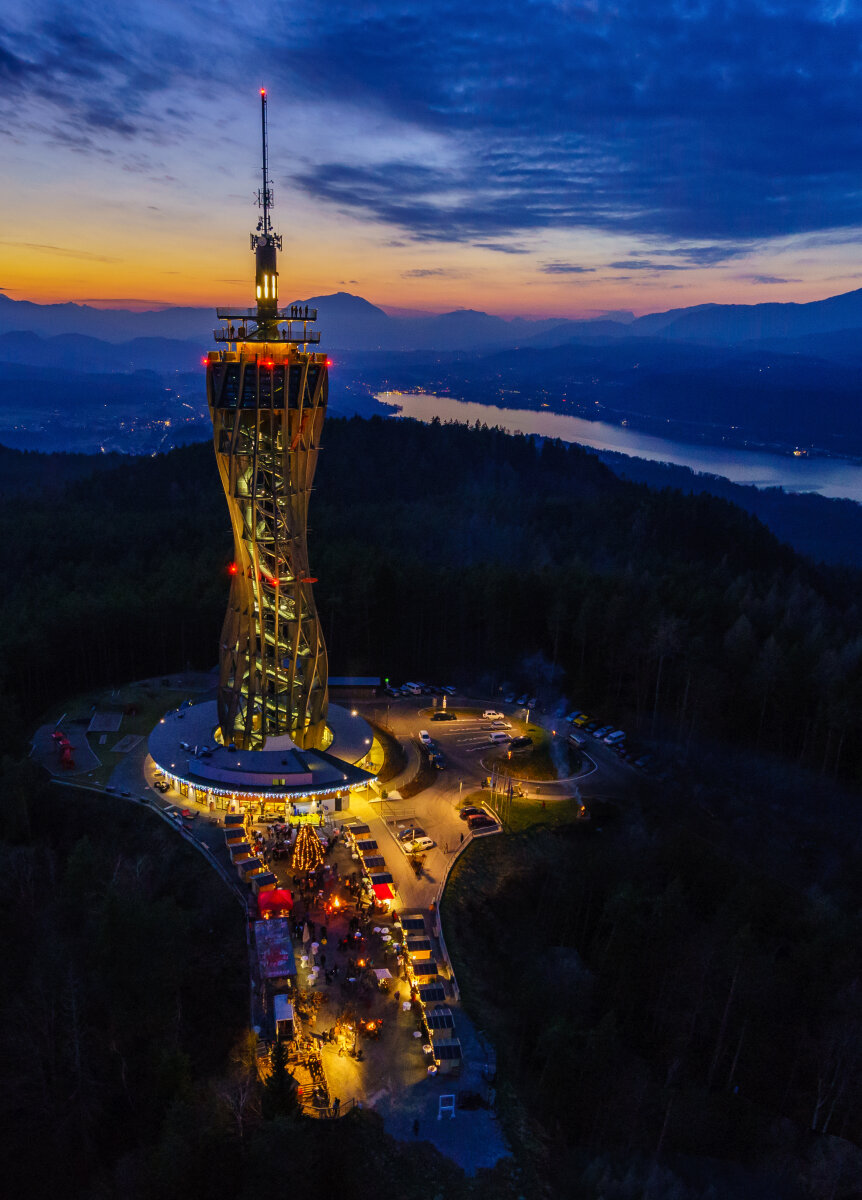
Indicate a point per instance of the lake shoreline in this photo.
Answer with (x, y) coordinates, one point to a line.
(811, 471)
(684, 432)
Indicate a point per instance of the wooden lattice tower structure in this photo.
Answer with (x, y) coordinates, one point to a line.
(267, 394)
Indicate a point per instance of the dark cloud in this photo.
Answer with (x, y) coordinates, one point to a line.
(709, 256)
(563, 268)
(716, 122)
(98, 78)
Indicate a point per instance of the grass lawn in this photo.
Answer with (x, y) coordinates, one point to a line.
(541, 762)
(524, 813)
(150, 700)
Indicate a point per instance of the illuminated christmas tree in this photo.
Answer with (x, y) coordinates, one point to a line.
(308, 852)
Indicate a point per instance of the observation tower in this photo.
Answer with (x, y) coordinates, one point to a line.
(270, 740)
(267, 393)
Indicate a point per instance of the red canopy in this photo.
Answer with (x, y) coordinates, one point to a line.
(383, 891)
(273, 900)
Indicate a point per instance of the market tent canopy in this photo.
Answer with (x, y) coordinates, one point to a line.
(383, 891)
(382, 973)
(381, 877)
(275, 898)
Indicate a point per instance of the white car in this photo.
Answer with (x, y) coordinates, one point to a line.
(425, 737)
(491, 714)
(420, 843)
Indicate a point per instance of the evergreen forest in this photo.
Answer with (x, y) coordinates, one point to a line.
(673, 991)
(447, 551)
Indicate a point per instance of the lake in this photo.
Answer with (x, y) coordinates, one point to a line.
(832, 477)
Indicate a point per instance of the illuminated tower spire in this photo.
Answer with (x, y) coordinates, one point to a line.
(264, 242)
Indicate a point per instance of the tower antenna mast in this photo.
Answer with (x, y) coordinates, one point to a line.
(266, 195)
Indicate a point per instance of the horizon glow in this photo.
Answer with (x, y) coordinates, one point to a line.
(648, 161)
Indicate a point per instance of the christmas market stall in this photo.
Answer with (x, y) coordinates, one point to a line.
(263, 882)
(275, 902)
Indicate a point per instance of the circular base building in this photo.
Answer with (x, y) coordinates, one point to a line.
(280, 780)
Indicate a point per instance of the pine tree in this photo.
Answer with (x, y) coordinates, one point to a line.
(280, 1097)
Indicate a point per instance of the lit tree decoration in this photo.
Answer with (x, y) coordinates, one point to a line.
(308, 852)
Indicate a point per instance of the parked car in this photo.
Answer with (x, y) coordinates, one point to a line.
(581, 720)
(392, 691)
(470, 810)
(614, 739)
(531, 702)
(491, 714)
(591, 727)
(522, 700)
(602, 732)
(410, 834)
(509, 698)
(448, 689)
(419, 844)
(444, 715)
(644, 761)
(425, 737)
(481, 821)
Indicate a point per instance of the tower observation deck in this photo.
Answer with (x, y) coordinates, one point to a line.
(267, 393)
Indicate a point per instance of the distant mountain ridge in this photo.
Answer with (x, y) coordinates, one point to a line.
(174, 338)
(350, 322)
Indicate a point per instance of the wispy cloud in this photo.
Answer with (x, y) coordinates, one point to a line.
(766, 279)
(62, 251)
(425, 272)
(645, 264)
(564, 268)
(502, 247)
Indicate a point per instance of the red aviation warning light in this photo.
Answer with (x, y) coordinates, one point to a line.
(233, 569)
